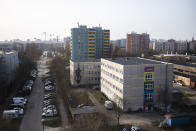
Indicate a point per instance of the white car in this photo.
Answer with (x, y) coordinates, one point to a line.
(53, 110)
(7, 114)
(108, 105)
(17, 100)
(48, 82)
(20, 110)
(135, 128)
(49, 107)
(49, 88)
(49, 113)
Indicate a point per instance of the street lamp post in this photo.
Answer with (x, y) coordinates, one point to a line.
(42, 124)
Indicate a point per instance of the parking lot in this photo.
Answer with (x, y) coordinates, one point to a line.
(32, 117)
(32, 120)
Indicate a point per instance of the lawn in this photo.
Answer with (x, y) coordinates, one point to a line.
(80, 98)
(99, 96)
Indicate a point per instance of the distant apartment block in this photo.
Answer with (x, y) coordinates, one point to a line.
(172, 46)
(137, 43)
(123, 43)
(120, 43)
(85, 72)
(135, 83)
(89, 43)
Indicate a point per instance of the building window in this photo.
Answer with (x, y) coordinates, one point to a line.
(148, 76)
(148, 96)
(148, 85)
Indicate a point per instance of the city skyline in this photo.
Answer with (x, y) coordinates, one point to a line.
(161, 19)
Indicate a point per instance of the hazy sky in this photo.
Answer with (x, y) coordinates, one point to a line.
(165, 19)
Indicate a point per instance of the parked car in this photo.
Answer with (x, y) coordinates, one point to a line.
(20, 105)
(82, 105)
(27, 88)
(20, 110)
(49, 97)
(108, 105)
(135, 128)
(10, 114)
(51, 107)
(48, 82)
(49, 113)
(49, 100)
(45, 104)
(49, 88)
(19, 100)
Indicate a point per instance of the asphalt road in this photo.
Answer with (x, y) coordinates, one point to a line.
(33, 110)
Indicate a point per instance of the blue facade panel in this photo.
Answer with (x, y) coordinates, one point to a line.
(178, 121)
(150, 92)
(80, 43)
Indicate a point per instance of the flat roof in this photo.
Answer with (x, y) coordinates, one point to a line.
(6, 52)
(93, 60)
(134, 61)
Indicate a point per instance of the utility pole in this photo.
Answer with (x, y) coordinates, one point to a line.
(44, 35)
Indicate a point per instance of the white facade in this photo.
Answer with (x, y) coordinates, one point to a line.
(89, 73)
(172, 46)
(125, 81)
(182, 46)
(6, 46)
(10, 62)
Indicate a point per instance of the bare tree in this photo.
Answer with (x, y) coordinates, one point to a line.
(67, 52)
(98, 123)
(117, 109)
(78, 75)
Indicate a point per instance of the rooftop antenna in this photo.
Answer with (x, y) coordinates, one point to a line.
(78, 24)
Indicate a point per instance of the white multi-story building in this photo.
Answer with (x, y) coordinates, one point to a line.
(172, 46)
(10, 62)
(182, 46)
(135, 83)
(85, 72)
(192, 45)
(6, 46)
